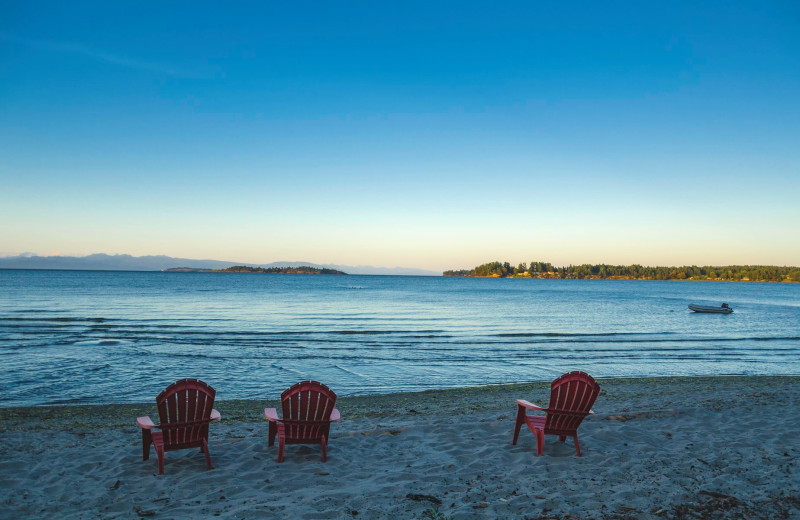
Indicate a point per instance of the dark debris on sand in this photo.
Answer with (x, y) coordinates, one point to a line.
(710, 505)
(707, 505)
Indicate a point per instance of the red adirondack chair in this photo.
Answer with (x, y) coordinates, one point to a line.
(571, 398)
(185, 411)
(307, 415)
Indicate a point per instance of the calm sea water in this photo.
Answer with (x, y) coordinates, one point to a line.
(69, 337)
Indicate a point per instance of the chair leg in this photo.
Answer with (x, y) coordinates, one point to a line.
(518, 424)
(147, 439)
(205, 450)
(281, 446)
(324, 450)
(562, 438)
(160, 456)
(273, 429)
(577, 446)
(539, 441)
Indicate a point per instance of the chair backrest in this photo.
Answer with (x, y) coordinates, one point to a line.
(307, 408)
(184, 409)
(571, 397)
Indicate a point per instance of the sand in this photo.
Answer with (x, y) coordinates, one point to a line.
(675, 448)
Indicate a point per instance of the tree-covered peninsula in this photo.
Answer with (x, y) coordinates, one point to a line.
(303, 269)
(729, 273)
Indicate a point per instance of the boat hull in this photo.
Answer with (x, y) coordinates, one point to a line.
(710, 310)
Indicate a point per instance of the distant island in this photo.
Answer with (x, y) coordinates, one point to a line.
(730, 273)
(303, 269)
(124, 262)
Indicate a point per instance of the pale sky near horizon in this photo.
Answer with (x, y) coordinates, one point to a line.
(438, 135)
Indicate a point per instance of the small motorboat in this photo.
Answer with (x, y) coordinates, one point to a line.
(722, 309)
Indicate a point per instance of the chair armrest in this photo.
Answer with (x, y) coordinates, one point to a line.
(145, 423)
(271, 414)
(215, 415)
(335, 415)
(530, 406)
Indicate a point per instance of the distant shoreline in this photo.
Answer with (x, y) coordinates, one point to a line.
(546, 270)
(621, 278)
(180, 270)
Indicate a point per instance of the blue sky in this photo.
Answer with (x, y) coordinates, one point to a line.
(434, 135)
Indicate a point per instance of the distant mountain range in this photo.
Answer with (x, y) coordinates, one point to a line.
(103, 262)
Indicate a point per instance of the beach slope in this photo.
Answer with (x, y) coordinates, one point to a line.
(710, 447)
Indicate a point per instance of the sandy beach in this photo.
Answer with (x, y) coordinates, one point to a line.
(675, 448)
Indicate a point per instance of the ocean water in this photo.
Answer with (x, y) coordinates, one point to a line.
(74, 337)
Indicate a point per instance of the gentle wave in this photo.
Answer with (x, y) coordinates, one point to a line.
(182, 335)
(577, 334)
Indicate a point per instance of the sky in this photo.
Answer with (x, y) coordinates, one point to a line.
(436, 135)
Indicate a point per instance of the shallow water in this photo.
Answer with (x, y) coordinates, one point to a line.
(70, 337)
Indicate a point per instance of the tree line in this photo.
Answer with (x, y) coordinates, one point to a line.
(732, 273)
(303, 269)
